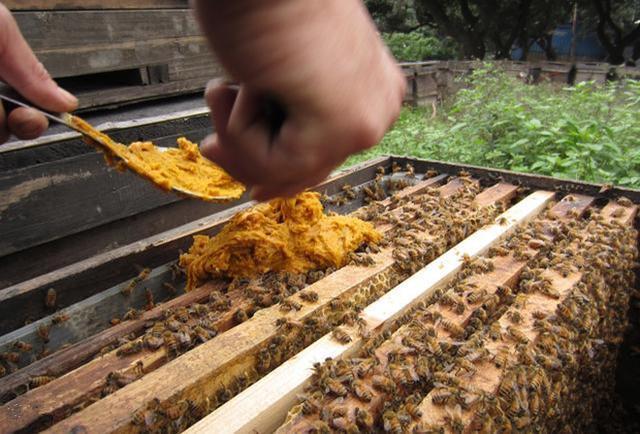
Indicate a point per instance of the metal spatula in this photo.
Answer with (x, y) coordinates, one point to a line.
(11, 97)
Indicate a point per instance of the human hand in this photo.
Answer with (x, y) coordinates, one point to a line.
(21, 70)
(323, 60)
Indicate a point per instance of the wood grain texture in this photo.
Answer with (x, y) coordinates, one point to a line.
(18, 5)
(51, 30)
(80, 60)
(263, 406)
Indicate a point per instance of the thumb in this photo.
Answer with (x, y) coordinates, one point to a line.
(20, 68)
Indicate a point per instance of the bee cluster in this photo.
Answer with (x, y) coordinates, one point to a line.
(556, 366)
(383, 185)
(296, 329)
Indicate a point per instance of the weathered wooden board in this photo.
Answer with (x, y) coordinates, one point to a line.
(59, 29)
(263, 406)
(93, 4)
(79, 60)
(115, 96)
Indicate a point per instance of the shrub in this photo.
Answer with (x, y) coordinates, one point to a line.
(586, 132)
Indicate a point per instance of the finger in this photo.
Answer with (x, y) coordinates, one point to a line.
(220, 98)
(21, 70)
(4, 131)
(267, 192)
(243, 147)
(26, 123)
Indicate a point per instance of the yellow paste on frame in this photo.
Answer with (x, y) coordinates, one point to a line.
(292, 235)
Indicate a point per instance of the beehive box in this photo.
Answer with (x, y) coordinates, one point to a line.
(497, 301)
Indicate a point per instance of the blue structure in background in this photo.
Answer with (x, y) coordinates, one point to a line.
(588, 45)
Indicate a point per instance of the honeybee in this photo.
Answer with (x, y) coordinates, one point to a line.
(361, 391)
(131, 314)
(363, 367)
(59, 318)
(115, 321)
(10, 356)
(240, 316)
(514, 316)
(517, 335)
(40, 380)
(364, 419)
(288, 305)
(382, 383)
(412, 408)
(341, 336)
(475, 296)
(309, 296)
(335, 387)
(43, 332)
(391, 422)
(50, 298)
(452, 328)
(130, 348)
(537, 314)
(177, 410)
(170, 343)
(22, 346)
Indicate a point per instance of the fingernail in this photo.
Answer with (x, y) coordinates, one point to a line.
(68, 97)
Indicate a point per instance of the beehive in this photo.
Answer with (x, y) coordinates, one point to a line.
(496, 301)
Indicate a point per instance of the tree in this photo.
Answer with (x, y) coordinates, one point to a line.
(493, 26)
(615, 25)
(393, 16)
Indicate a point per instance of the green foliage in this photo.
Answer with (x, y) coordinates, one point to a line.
(416, 46)
(585, 132)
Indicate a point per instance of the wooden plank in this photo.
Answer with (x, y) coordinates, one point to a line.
(92, 193)
(262, 407)
(489, 374)
(70, 357)
(503, 270)
(79, 280)
(18, 5)
(79, 385)
(122, 131)
(225, 354)
(81, 60)
(117, 96)
(62, 362)
(59, 29)
(93, 315)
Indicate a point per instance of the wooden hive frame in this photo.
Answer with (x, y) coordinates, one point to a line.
(389, 294)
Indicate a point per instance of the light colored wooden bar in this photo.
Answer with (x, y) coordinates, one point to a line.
(505, 271)
(488, 375)
(263, 406)
(210, 366)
